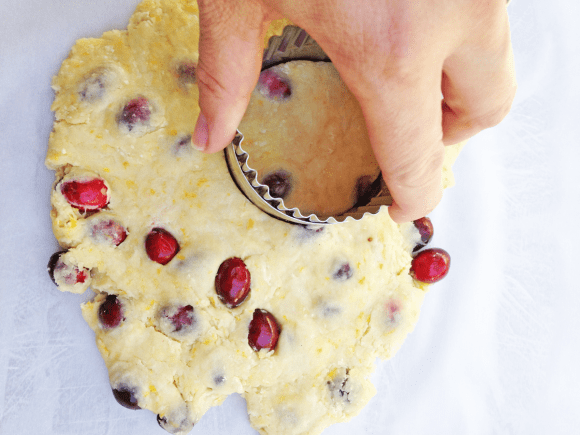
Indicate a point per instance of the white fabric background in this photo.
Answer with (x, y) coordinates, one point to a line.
(497, 348)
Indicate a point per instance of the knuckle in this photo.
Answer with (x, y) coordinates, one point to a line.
(417, 172)
(210, 84)
(497, 114)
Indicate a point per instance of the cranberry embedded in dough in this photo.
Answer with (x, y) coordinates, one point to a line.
(109, 232)
(186, 73)
(86, 195)
(430, 265)
(181, 318)
(93, 88)
(263, 331)
(279, 183)
(232, 282)
(273, 85)
(136, 112)
(161, 246)
(111, 312)
(62, 273)
(343, 272)
(176, 422)
(425, 227)
(126, 397)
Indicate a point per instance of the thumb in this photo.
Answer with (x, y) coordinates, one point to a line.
(230, 56)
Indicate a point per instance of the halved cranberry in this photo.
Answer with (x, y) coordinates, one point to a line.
(279, 183)
(108, 231)
(273, 85)
(85, 195)
(62, 273)
(136, 111)
(183, 424)
(126, 397)
(232, 282)
(430, 265)
(161, 246)
(263, 331)
(111, 312)
(425, 227)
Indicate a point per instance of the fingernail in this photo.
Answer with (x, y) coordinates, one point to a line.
(200, 133)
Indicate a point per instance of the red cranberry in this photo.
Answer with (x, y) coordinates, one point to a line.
(425, 227)
(232, 282)
(430, 265)
(183, 318)
(279, 182)
(62, 273)
(263, 331)
(186, 73)
(274, 85)
(108, 231)
(126, 397)
(111, 312)
(85, 195)
(136, 111)
(366, 189)
(343, 273)
(161, 246)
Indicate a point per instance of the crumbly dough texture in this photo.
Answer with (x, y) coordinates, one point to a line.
(333, 325)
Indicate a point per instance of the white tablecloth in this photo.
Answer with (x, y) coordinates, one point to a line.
(497, 347)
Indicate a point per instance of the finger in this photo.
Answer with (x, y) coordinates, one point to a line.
(404, 123)
(478, 82)
(230, 55)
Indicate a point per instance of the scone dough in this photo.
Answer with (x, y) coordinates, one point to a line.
(125, 107)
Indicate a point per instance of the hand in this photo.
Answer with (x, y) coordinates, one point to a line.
(396, 56)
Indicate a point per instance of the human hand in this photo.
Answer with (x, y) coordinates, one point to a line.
(396, 56)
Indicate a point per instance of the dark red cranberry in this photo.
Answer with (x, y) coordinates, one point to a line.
(108, 231)
(425, 227)
(136, 111)
(232, 282)
(161, 246)
(126, 397)
(186, 72)
(279, 182)
(263, 331)
(430, 265)
(85, 195)
(58, 270)
(343, 273)
(183, 318)
(111, 312)
(274, 85)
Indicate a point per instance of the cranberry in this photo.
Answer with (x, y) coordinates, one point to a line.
(108, 231)
(279, 182)
(161, 246)
(273, 85)
(263, 331)
(182, 426)
(430, 265)
(425, 227)
(136, 111)
(393, 312)
(85, 195)
(186, 73)
(183, 318)
(366, 189)
(182, 145)
(111, 312)
(232, 282)
(126, 397)
(343, 273)
(62, 273)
